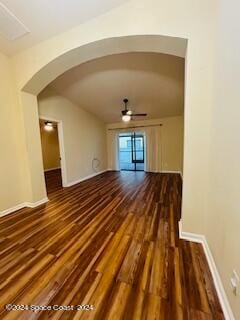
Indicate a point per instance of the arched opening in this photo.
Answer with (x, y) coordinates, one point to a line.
(93, 50)
(105, 47)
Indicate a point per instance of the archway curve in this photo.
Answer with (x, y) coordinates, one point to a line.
(100, 48)
(66, 60)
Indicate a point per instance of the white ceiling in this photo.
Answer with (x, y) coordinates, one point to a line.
(47, 18)
(153, 83)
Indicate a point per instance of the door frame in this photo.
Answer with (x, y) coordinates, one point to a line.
(133, 139)
(61, 147)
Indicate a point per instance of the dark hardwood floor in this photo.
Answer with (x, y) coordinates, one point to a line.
(111, 242)
(53, 180)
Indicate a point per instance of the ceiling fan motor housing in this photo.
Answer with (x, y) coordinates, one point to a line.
(129, 112)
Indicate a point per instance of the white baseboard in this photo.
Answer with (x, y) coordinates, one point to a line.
(23, 205)
(85, 178)
(51, 169)
(213, 268)
(162, 171)
(12, 209)
(171, 171)
(36, 204)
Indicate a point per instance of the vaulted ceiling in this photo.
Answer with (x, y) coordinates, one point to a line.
(46, 18)
(153, 83)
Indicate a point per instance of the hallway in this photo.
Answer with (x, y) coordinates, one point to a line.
(53, 180)
(108, 239)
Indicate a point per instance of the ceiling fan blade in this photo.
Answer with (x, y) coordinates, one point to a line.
(126, 112)
(139, 114)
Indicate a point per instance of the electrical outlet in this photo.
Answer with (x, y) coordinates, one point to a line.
(235, 283)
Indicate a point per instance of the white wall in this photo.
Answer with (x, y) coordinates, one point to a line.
(84, 135)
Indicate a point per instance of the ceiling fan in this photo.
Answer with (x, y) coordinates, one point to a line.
(128, 114)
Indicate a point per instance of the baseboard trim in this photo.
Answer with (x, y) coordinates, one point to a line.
(213, 268)
(23, 205)
(36, 204)
(162, 171)
(70, 184)
(10, 210)
(171, 171)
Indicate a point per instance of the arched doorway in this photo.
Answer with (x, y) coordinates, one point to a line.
(65, 61)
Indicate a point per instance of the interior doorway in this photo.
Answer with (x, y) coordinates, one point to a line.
(51, 155)
(131, 151)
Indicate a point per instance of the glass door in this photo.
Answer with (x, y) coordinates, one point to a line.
(138, 151)
(131, 151)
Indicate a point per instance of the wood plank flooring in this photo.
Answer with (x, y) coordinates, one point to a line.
(53, 180)
(110, 242)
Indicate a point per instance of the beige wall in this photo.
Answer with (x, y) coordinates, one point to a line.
(172, 144)
(211, 128)
(84, 135)
(171, 140)
(222, 219)
(183, 19)
(12, 155)
(50, 148)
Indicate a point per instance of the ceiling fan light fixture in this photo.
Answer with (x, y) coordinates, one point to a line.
(126, 118)
(128, 114)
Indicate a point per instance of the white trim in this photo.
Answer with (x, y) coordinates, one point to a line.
(51, 169)
(166, 171)
(10, 210)
(85, 178)
(213, 268)
(61, 147)
(162, 171)
(171, 171)
(23, 205)
(36, 204)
